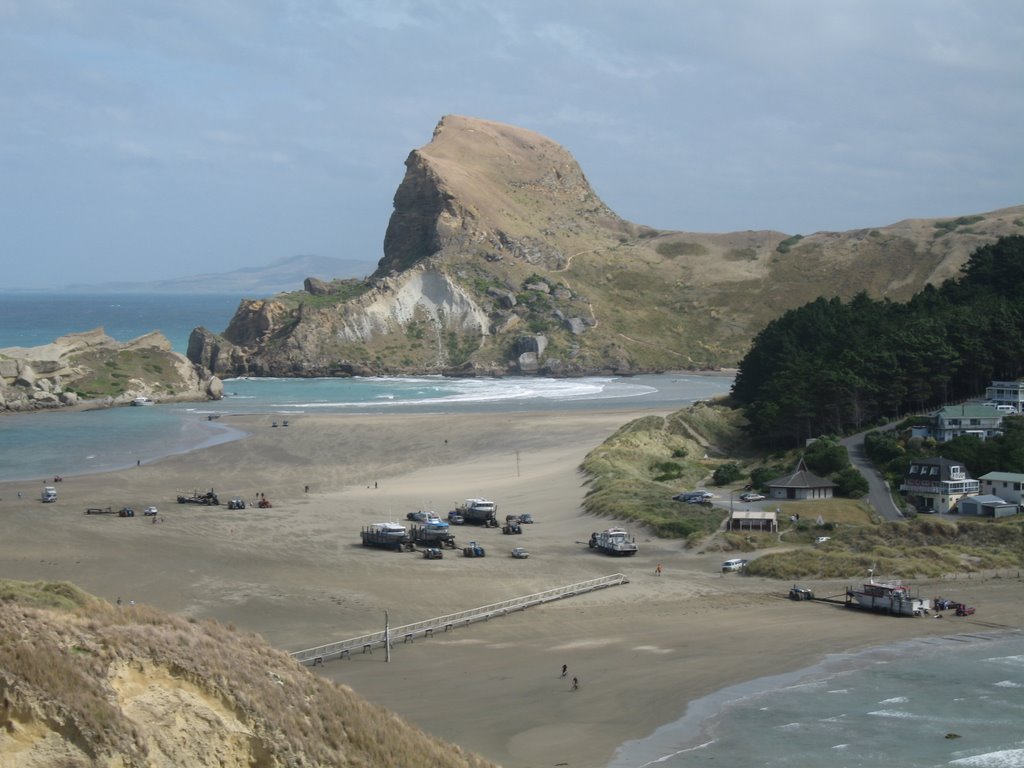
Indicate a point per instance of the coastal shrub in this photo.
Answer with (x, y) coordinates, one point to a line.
(786, 245)
(665, 471)
(674, 249)
(727, 473)
(850, 483)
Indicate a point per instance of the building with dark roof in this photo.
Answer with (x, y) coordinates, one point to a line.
(801, 483)
(937, 484)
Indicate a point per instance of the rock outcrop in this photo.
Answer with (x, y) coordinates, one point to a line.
(92, 367)
(496, 233)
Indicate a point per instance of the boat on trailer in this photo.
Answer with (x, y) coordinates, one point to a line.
(890, 597)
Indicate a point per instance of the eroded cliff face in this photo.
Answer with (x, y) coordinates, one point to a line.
(92, 367)
(499, 258)
(421, 307)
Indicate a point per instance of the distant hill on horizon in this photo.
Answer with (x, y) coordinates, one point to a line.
(283, 274)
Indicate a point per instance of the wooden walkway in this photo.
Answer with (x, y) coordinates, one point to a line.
(342, 649)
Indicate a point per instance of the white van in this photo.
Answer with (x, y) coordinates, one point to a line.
(736, 564)
(49, 494)
(1006, 408)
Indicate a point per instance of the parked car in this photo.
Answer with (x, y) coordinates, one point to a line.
(526, 518)
(149, 511)
(520, 553)
(455, 518)
(433, 553)
(736, 564)
(751, 496)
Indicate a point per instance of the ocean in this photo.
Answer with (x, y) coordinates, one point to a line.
(28, 319)
(935, 703)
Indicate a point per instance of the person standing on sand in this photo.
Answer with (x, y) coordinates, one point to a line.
(657, 570)
(565, 668)
(575, 684)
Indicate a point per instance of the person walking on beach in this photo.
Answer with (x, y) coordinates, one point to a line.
(565, 668)
(657, 571)
(575, 684)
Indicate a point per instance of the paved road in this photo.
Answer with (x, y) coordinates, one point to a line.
(879, 495)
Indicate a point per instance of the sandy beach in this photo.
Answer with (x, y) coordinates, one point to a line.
(297, 575)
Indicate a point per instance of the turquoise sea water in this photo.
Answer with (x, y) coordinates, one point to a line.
(891, 706)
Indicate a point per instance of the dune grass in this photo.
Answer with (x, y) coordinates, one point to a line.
(58, 647)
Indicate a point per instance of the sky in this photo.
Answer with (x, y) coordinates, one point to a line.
(154, 139)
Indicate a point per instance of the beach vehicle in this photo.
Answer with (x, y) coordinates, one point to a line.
(613, 541)
(99, 511)
(479, 512)
(512, 526)
(236, 503)
(886, 597)
(473, 550)
(386, 536)
(207, 499)
(126, 512)
(49, 495)
(520, 553)
(149, 511)
(526, 518)
(800, 593)
(456, 518)
(735, 564)
(142, 400)
(433, 553)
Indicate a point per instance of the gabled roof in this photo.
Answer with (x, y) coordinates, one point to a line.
(969, 411)
(801, 477)
(1004, 477)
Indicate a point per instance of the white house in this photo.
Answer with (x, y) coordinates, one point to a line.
(1007, 393)
(1005, 485)
(981, 421)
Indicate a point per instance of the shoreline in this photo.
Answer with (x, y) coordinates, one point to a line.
(297, 575)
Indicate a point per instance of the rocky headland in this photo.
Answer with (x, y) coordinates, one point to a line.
(500, 259)
(92, 369)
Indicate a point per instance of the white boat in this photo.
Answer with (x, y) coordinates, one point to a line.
(614, 541)
(142, 400)
(395, 530)
(887, 597)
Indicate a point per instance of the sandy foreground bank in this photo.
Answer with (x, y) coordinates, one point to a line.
(297, 575)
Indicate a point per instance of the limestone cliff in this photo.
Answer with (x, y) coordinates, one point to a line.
(499, 259)
(92, 367)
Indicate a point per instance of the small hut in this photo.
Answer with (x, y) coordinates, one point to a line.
(800, 484)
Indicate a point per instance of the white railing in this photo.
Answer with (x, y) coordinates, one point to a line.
(364, 643)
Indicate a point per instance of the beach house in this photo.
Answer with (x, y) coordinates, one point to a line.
(981, 421)
(1005, 485)
(937, 484)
